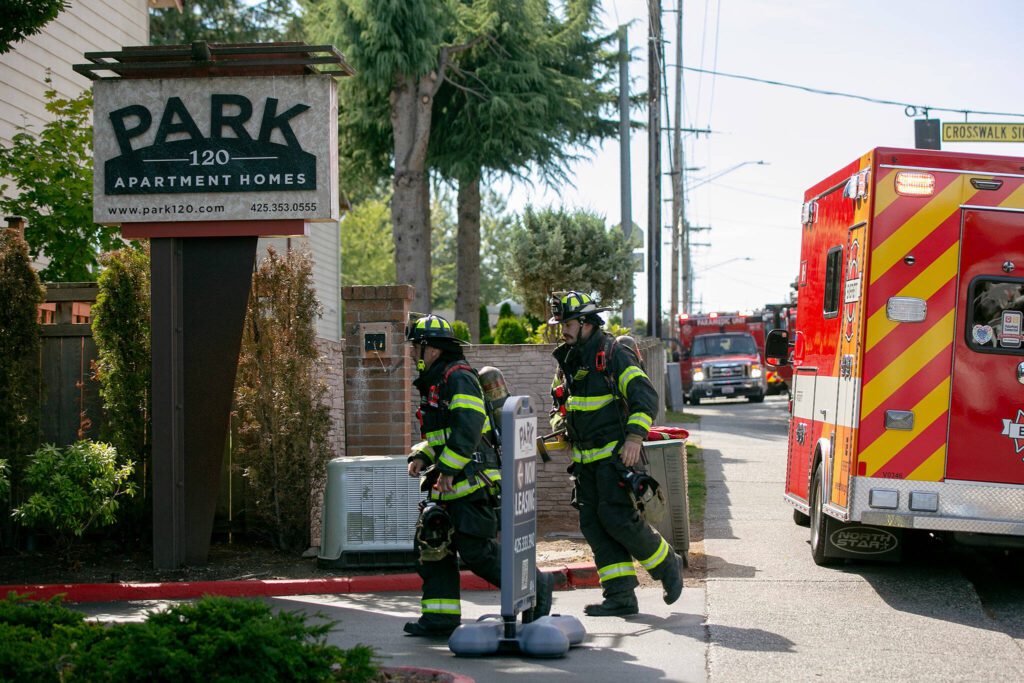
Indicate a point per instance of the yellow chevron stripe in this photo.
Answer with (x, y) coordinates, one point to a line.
(885, 191)
(920, 225)
(937, 274)
(1015, 199)
(891, 442)
(903, 368)
(933, 468)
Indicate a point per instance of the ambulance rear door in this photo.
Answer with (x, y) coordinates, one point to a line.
(986, 428)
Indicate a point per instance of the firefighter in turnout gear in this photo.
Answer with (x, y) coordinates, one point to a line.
(609, 405)
(462, 473)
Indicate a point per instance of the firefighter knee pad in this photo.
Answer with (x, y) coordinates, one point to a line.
(434, 533)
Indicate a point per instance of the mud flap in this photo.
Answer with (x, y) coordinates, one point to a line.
(856, 541)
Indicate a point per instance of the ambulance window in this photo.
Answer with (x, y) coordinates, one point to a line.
(833, 273)
(995, 315)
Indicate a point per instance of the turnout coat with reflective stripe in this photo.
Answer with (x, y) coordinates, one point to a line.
(596, 418)
(453, 421)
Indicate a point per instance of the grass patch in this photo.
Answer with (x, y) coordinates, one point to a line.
(695, 488)
(674, 416)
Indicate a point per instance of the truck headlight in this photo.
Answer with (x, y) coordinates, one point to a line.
(698, 375)
(755, 371)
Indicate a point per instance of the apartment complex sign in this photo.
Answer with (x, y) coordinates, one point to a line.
(187, 149)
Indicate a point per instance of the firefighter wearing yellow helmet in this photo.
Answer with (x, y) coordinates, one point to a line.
(458, 459)
(609, 407)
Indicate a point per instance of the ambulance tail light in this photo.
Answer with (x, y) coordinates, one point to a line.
(915, 184)
(712, 315)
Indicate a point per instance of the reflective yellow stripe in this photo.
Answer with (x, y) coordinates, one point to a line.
(442, 607)
(642, 419)
(467, 401)
(464, 488)
(588, 455)
(657, 558)
(424, 448)
(453, 459)
(588, 402)
(616, 571)
(628, 375)
(436, 438)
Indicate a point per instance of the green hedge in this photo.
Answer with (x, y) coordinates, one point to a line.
(212, 640)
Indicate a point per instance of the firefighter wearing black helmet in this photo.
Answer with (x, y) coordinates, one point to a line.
(610, 405)
(462, 474)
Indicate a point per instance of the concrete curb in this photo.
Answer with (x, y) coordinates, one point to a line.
(566, 578)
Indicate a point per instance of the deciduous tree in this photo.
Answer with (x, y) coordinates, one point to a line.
(52, 171)
(24, 18)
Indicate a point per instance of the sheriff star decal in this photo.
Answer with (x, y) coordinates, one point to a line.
(1015, 430)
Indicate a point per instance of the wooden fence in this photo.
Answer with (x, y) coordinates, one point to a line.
(71, 405)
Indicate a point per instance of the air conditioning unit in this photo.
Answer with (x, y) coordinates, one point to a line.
(370, 512)
(666, 462)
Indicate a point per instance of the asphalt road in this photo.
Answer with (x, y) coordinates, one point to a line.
(766, 613)
(942, 614)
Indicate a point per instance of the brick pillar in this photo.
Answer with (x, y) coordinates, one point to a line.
(378, 386)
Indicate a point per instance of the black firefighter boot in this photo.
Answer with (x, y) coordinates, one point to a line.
(672, 579)
(621, 604)
(429, 629)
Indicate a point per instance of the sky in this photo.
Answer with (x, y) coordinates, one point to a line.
(954, 54)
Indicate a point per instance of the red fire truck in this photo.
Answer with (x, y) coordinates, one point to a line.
(908, 354)
(721, 355)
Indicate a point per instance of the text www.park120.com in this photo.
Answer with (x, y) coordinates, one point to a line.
(166, 210)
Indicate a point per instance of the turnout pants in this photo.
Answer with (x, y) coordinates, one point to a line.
(476, 526)
(614, 529)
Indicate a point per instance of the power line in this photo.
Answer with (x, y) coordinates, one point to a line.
(911, 109)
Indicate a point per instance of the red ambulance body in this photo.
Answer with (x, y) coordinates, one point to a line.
(908, 353)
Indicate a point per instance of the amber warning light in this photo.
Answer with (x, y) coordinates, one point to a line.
(915, 184)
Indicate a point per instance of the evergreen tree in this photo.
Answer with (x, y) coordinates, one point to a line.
(225, 21)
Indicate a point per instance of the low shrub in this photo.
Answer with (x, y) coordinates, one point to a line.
(74, 489)
(214, 639)
(511, 331)
(461, 330)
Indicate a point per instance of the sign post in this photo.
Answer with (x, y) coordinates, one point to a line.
(203, 149)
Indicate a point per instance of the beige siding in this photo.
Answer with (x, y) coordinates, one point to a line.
(86, 26)
(323, 243)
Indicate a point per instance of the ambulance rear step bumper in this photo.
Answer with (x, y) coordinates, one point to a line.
(956, 506)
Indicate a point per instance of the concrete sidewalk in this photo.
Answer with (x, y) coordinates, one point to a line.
(663, 643)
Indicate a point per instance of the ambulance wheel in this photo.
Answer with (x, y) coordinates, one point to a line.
(756, 399)
(695, 400)
(818, 521)
(801, 518)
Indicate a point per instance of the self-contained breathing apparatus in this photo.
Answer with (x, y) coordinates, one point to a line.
(434, 532)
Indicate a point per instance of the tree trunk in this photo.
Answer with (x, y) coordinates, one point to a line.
(411, 103)
(467, 295)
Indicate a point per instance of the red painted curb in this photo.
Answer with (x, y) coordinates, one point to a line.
(184, 590)
(583, 576)
(445, 676)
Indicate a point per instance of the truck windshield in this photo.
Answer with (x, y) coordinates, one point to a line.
(723, 345)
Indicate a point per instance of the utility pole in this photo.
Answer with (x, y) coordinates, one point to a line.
(678, 209)
(654, 169)
(625, 177)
